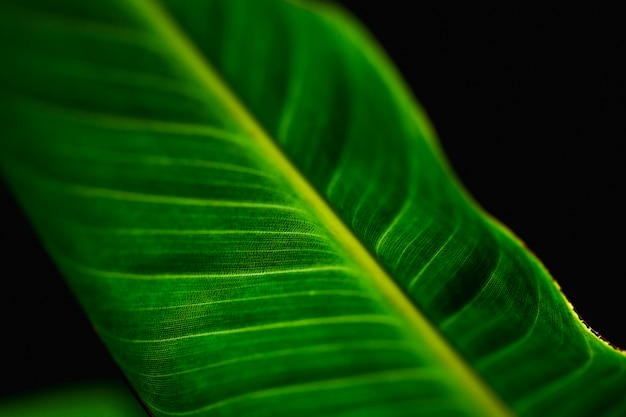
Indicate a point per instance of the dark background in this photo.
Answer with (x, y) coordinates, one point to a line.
(529, 106)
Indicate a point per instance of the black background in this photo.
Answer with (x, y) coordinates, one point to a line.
(529, 106)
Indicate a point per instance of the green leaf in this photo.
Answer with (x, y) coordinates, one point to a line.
(94, 398)
(258, 220)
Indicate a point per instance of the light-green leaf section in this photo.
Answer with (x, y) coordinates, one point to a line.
(257, 219)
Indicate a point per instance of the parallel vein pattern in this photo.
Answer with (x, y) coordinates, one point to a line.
(490, 297)
(216, 288)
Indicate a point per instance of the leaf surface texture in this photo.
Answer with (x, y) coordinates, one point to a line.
(257, 218)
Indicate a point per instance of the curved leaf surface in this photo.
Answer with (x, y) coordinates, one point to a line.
(258, 220)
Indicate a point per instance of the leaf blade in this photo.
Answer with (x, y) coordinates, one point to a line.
(438, 192)
(255, 158)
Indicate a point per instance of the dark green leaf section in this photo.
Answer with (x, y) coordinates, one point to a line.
(327, 95)
(92, 398)
(214, 285)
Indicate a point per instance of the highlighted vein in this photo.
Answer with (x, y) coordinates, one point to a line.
(396, 375)
(129, 275)
(318, 321)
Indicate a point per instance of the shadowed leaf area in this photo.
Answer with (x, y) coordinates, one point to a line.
(258, 220)
(103, 398)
